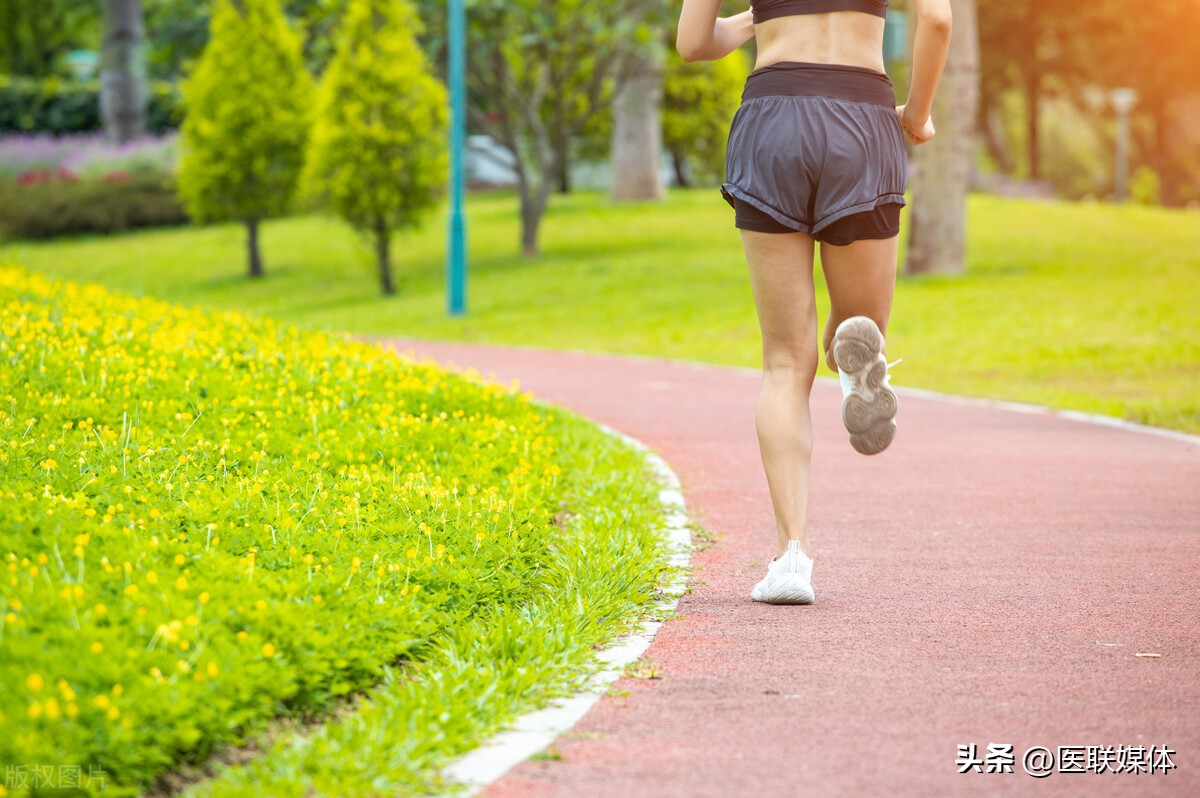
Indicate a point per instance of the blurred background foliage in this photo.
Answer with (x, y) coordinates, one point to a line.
(1045, 120)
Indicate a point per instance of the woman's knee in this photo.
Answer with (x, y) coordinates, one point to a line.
(798, 366)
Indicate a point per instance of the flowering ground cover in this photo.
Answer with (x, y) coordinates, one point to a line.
(210, 520)
(87, 155)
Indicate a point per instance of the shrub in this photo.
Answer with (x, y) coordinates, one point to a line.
(61, 106)
(699, 100)
(49, 203)
(248, 106)
(1145, 187)
(378, 155)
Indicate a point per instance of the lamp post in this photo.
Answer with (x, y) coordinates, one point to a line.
(456, 268)
(1123, 100)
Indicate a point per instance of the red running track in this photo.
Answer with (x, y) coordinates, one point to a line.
(990, 578)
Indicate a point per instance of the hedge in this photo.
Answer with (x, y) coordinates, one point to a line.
(61, 106)
(58, 206)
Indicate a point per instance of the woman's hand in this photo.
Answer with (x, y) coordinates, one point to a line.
(916, 132)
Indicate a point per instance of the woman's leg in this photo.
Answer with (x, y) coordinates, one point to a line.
(861, 278)
(781, 276)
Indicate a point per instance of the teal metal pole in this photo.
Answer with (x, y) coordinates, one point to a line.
(456, 269)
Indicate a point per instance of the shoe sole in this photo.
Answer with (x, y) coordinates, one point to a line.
(869, 410)
(786, 589)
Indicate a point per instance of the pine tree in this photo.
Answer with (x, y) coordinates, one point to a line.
(379, 151)
(248, 120)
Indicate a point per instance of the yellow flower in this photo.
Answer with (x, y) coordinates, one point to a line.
(268, 650)
(35, 682)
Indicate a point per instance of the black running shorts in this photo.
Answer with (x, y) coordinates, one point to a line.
(818, 149)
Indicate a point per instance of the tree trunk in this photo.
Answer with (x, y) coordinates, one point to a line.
(252, 250)
(681, 175)
(1033, 101)
(637, 126)
(534, 198)
(384, 260)
(1033, 92)
(562, 149)
(991, 124)
(937, 232)
(123, 95)
(1166, 166)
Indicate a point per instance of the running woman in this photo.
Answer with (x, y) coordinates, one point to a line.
(816, 153)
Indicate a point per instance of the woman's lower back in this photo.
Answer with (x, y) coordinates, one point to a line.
(837, 37)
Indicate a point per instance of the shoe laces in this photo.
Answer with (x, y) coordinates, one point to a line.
(888, 375)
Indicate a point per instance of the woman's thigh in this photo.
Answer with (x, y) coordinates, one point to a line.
(781, 276)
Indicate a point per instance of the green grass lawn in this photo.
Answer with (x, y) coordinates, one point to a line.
(1081, 306)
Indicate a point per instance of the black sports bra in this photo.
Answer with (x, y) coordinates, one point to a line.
(770, 9)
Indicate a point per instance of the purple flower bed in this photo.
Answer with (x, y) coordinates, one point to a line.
(87, 155)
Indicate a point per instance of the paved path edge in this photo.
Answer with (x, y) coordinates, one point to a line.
(535, 730)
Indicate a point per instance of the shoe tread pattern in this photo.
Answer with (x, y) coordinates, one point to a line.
(869, 410)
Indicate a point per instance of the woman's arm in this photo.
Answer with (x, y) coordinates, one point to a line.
(931, 42)
(703, 36)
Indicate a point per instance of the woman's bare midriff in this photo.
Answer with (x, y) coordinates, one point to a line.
(836, 37)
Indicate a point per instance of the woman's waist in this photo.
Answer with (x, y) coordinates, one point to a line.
(804, 78)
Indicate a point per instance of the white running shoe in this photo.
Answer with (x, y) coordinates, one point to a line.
(788, 579)
(868, 402)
